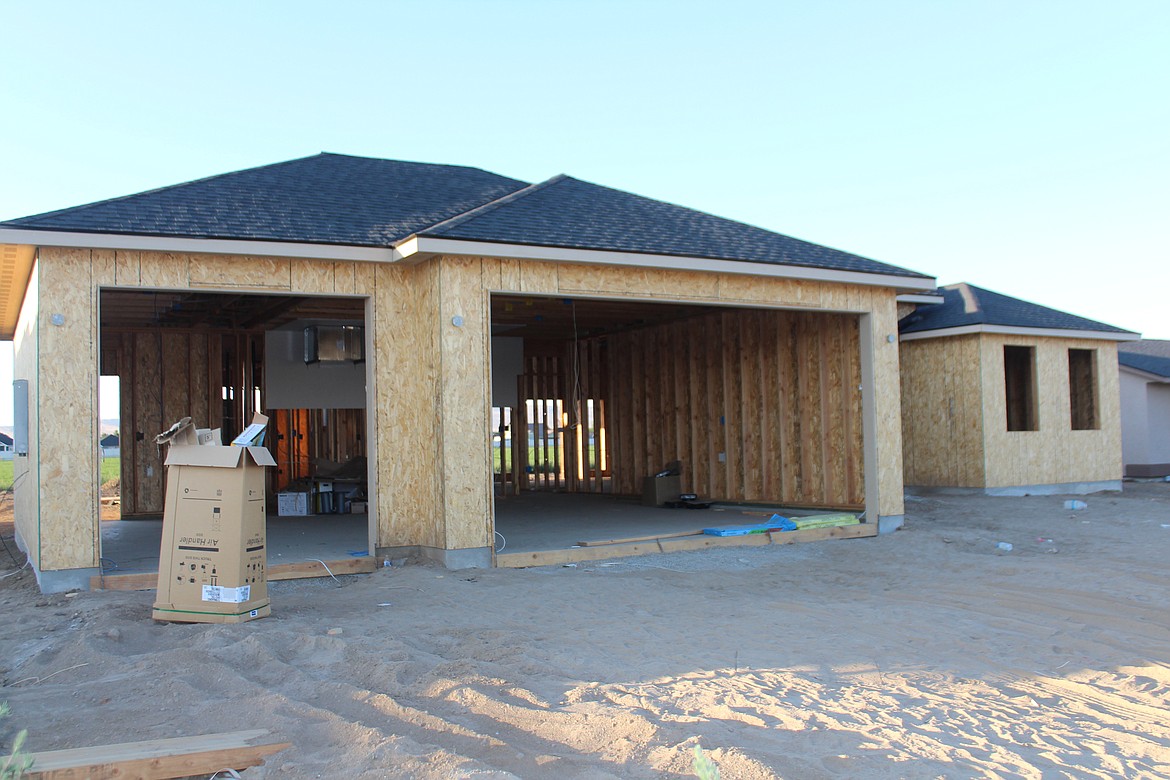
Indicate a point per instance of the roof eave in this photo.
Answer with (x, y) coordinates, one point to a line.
(1013, 330)
(216, 246)
(417, 248)
(16, 264)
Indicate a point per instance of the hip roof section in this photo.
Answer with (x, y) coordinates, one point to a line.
(323, 199)
(1149, 355)
(365, 202)
(967, 308)
(570, 213)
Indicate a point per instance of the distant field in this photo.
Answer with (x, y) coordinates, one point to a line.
(111, 469)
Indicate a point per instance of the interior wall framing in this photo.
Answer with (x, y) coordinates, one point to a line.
(168, 374)
(775, 393)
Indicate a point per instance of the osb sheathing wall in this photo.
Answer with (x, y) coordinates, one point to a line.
(26, 482)
(954, 415)
(466, 286)
(942, 412)
(775, 392)
(60, 314)
(408, 403)
(65, 392)
(1054, 454)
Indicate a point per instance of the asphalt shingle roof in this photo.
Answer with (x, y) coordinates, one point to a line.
(360, 201)
(1149, 355)
(324, 199)
(966, 304)
(570, 213)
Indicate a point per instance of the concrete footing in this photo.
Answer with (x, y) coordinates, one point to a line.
(1055, 489)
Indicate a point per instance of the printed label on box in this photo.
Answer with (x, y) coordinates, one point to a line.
(228, 595)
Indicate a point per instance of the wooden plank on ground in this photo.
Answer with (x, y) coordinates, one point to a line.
(305, 569)
(281, 571)
(157, 758)
(859, 531)
(145, 581)
(599, 542)
(522, 560)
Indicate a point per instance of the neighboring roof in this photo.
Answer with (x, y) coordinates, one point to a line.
(109, 440)
(1149, 355)
(5, 440)
(325, 199)
(574, 214)
(966, 306)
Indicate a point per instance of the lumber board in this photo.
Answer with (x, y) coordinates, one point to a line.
(157, 758)
(305, 569)
(600, 542)
(281, 571)
(859, 531)
(522, 560)
(143, 581)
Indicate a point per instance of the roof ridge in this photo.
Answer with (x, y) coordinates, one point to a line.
(492, 205)
(400, 162)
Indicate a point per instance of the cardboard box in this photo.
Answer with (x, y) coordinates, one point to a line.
(292, 504)
(213, 558)
(357, 507)
(656, 491)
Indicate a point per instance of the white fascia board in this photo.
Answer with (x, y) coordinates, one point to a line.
(213, 246)
(422, 247)
(920, 298)
(1011, 330)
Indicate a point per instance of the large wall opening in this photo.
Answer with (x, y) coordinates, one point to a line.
(591, 397)
(219, 358)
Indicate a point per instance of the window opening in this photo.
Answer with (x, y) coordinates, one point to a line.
(1082, 388)
(1019, 371)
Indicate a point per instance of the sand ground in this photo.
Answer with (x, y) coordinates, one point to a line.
(925, 653)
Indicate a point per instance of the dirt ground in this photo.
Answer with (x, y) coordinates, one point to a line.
(926, 653)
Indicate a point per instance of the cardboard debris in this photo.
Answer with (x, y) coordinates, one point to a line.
(213, 557)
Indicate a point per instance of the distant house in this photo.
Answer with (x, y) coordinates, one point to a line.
(1008, 397)
(1145, 407)
(111, 446)
(6, 447)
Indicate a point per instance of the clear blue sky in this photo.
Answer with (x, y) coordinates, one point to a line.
(1022, 147)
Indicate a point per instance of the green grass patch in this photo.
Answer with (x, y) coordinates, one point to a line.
(111, 469)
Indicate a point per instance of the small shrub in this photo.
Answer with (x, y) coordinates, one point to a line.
(705, 768)
(17, 762)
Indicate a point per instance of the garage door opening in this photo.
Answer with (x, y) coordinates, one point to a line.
(219, 358)
(761, 408)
